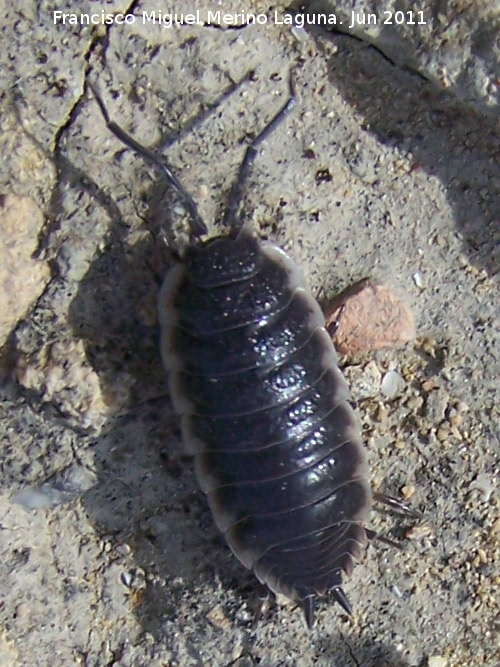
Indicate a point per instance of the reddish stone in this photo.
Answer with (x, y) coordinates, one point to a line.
(368, 317)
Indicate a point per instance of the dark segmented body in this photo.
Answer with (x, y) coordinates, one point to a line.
(266, 413)
(265, 409)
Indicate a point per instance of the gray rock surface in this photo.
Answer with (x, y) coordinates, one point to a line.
(455, 44)
(22, 277)
(108, 554)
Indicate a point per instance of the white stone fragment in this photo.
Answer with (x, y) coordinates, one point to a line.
(391, 384)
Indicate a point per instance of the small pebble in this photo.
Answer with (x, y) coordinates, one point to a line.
(435, 406)
(418, 532)
(415, 402)
(380, 415)
(495, 528)
(299, 33)
(408, 491)
(35, 499)
(397, 592)
(429, 385)
(418, 279)
(126, 579)
(391, 382)
(437, 661)
(486, 484)
(244, 615)
(123, 549)
(364, 380)
(218, 619)
(483, 556)
(443, 434)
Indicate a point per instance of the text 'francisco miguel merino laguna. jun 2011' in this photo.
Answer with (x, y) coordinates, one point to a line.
(219, 18)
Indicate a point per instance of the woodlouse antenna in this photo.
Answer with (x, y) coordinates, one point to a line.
(231, 217)
(197, 226)
(372, 535)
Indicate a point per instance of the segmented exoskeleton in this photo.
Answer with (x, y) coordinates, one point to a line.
(265, 410)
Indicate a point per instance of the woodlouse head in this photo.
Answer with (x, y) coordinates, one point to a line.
(222, 260)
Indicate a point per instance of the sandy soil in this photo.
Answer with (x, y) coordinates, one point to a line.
(108, 551)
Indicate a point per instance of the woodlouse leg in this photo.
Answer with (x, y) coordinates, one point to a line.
(332, 328)
(263, 595)
(198, 227)
(231, 219)
(397, 505)
(372, 536)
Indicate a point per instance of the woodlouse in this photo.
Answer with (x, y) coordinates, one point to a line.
(265, 409)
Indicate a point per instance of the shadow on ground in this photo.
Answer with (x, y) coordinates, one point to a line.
(446, 139)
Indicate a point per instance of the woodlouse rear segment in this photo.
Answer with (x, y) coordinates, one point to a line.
(266, 414)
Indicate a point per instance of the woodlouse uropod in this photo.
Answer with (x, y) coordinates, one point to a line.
(265, 409)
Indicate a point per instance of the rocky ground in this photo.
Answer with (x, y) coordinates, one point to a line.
(108, 552)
